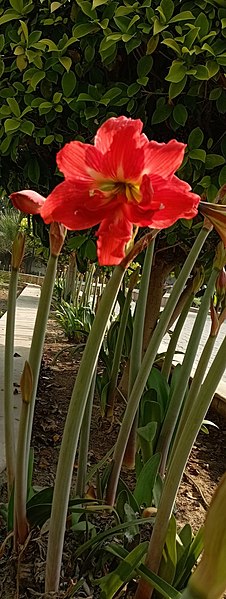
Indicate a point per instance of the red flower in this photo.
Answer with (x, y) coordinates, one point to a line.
(121, 181)
(27, 201)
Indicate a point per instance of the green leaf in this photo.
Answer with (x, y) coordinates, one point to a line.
(84, 29)
(215, 93)
(27, 127)
(142, 81)
(161, 113)
(144, 65)
(133, 89)
(11, 125)
(214, 160)
(112, 582)
(66, 62)
(17, 5)
(171, 43)
(198, 154)
(54, 6)
(185, 15)
(169, 559)
(97, 3)
(152, 44)
(180, 114)
(36, 78)
(195, 138)
(175, 89)
(33, 170)
(68, 83)
(202, 72)
(48, 140)
(2, 67)
(167, 7)
(9, 15)
(25, 30)
(13, 104)
(143, 491)
(222, 176)
(2, 41)
(177, 72)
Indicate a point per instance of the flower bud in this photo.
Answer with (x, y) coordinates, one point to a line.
(26, 383)
(216, 215)
(209, 579)
(27, 201)
(221, 286)
(214, 320)
(18, 250)
(56, 238)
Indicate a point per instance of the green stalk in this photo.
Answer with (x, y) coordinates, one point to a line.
(36, 350)
(178, 463)
(176, 400)
(72, 430)
(21, 528)
(147, 363)
(137, 346)
(8, 380)
(118, 355)
(84, 442)
(167, 364)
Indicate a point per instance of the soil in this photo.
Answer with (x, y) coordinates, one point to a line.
(204, 470)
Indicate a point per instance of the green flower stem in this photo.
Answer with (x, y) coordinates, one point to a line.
(36, 349)
(118, 355)
(84, 442)
(194, 388)
(20, 521)
(72, 430)
(178, 463)
(147, 363)
(137, 346)
(167, 364)
(139, 318)
(176, 400)
(8, 380)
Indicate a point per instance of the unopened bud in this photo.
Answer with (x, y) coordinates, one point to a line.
(214, 320)
(198, 279)
(18, 250)
(26, 383)
(216, 215)
(57, 235)
(221, 286)
(220, 256)
(221, 196)
(209, 579)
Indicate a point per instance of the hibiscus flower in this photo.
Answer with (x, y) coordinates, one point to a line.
(121, 182)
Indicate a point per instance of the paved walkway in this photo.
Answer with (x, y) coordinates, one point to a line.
(26, 309)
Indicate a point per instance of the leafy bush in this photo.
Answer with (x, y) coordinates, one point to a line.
(67, 66)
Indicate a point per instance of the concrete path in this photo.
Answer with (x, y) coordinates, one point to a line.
(26, 309)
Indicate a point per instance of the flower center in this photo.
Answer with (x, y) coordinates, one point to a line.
(130, 190)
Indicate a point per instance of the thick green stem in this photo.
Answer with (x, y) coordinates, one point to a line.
(36, 350)
(167, 364)
(72, 430)
(21, 528)
(8, 380)
(136, 348)
(118, 355)
(147, 364)
(84, 442)
(176, 400)
(178, 464)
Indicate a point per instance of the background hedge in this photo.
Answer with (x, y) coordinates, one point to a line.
(67, 66)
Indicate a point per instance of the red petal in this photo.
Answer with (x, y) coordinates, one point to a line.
(77, 160)
(163, 159)
(124, 160)
(175, 201)
(113, 234)
(141, 214)
(27, 201)
(106, 132)
(71, 204)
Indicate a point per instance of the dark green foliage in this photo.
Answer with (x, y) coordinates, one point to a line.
(67, 66)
